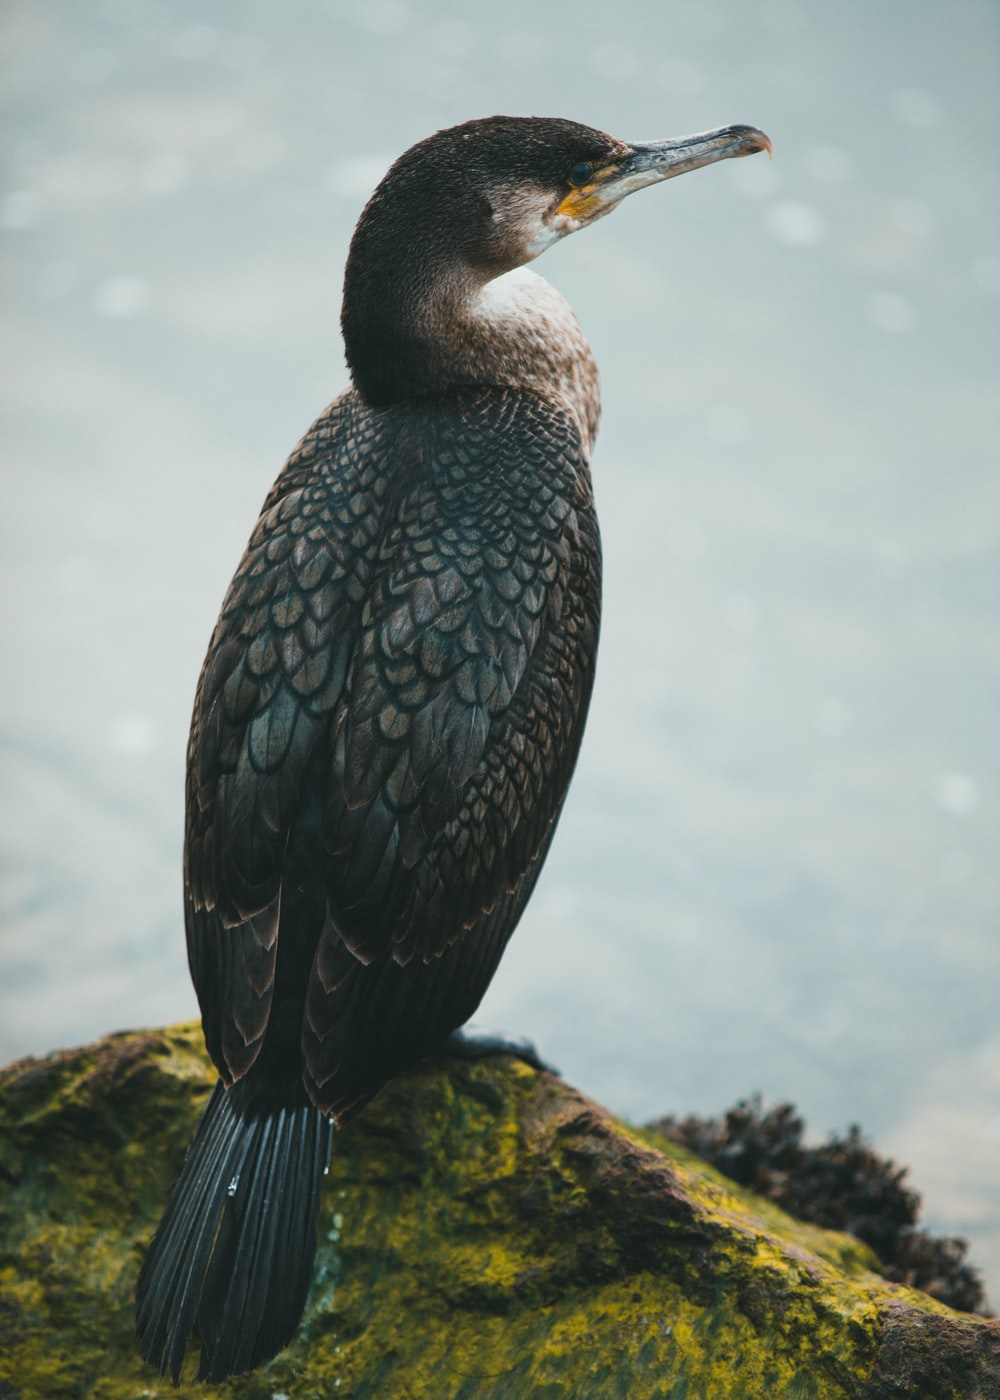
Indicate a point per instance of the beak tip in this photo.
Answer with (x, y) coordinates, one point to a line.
(758, 141)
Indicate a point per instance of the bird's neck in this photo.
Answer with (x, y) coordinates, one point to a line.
(432, 332)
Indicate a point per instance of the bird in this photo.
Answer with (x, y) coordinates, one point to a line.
(392, 702)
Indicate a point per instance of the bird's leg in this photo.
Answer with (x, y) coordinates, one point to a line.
(461, 1045)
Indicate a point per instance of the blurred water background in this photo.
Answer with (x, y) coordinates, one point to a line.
(778, 868)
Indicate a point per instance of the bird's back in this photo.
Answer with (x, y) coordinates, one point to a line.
(386, 724)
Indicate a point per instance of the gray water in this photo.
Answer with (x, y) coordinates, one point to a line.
(777, 869)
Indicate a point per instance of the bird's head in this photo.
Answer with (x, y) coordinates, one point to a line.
(501, 190)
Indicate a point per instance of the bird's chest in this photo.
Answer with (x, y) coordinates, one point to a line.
(530, 338)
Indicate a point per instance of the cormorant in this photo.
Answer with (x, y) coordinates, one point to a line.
(392, 702)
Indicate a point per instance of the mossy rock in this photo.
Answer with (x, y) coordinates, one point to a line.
(487, 1233)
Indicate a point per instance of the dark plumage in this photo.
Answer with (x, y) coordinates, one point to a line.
(392, 702)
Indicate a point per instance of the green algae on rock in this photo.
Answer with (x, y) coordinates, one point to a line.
(487, 1232)
(842, 1184)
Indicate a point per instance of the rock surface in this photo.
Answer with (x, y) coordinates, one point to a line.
(488, 1233)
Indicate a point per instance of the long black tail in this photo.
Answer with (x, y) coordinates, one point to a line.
(234, 1250)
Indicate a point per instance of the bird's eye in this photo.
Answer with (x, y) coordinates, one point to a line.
(581, 173)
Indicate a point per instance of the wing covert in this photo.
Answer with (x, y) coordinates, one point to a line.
(273, 677)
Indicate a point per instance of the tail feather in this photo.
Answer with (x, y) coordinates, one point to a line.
(235, 1248)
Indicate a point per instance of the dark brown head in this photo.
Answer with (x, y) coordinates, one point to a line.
(471, 203)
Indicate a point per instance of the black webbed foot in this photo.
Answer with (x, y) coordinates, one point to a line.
(464, 1046)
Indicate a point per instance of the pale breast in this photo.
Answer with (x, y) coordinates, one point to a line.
(533, 340)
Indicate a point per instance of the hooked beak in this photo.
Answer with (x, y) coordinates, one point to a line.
(647, 162)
